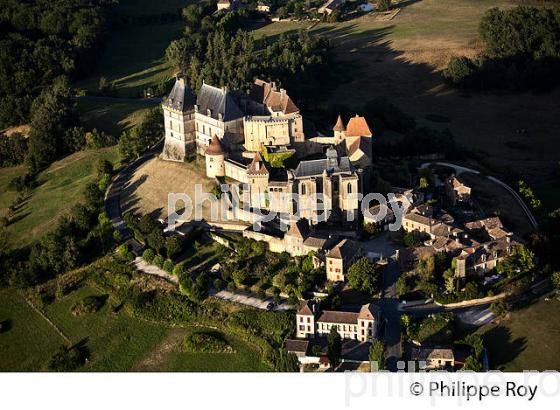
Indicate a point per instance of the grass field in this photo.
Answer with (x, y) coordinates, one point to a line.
(133, 57)
(111, 116)
(402, 60)
(60, 187)
(529, 339)
(114, 341)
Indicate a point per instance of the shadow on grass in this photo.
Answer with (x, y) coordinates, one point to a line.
(502, 347)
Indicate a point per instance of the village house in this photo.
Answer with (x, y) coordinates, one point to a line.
(330, 6)
(263, 7)
(433, 358)
(456, 190)
(340, 258)
(478, 260)
(313, 322)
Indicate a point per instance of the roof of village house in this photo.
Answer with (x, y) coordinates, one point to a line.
(339, 126)
(362, 144)
(181, 97)
(215, 147)
(487, 223)
(332, 316)
(275, 99)
(443, 229)
(299, 229)
(297, 346)
(358, 127)
(345, 249)
(426, 353)
(257, 166)
(305, 309)
(219, 101)
(421, 219)
(493, 250)
(375, 211)
(315, 241)
(368, 312)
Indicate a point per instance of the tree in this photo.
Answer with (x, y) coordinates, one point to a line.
(556, 279)
(383, 5)
(172, 246)
(377, 355)
(53, 113)
(364, 275)
(500, 308)
(334, 347)
(459, 70)
(521, 261)
(286, 361)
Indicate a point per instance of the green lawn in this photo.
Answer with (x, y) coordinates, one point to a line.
(242, 360)
(29, 341)
(60, 187)
(529, 339)
(111, 116)
(114, 341)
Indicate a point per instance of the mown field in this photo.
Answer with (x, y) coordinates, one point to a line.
(114, 341)
(528, 339)
(59, 188)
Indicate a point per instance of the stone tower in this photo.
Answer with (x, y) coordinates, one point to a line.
(215, 159)
(178, 114)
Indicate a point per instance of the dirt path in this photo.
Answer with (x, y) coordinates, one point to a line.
(156, 358)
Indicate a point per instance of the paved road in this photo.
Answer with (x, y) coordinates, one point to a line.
(389, 306)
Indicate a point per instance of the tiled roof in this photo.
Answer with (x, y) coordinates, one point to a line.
(277, 100)
(345, 249)
(331, 316)
(218, 101)
(315, 242)
(298, 229)
(180, 98)
(305, 308)
(215, 147)
(317, 166)
(299, 346)
(358, 127)
(257, 166)
(339, 126)
(424, 354)
(368, 312)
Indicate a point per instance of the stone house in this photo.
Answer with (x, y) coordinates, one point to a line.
(312, 322)
(340, 258)
(433, 358)
(456, 190)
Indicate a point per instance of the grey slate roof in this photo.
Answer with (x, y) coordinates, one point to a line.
(218, 101)
(317, 166)
(181, 97)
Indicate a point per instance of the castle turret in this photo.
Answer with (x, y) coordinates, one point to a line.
(178, 114)
(339, 129)
(215, 158)
(257, 175)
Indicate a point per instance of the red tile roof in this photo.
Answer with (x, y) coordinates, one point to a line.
(215, 147)
(339, 126)
(358, 127)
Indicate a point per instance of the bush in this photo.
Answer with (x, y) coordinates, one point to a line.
(168, 266)
(231, 286)
(459, 70)
(123, 250)
(218, 284)
(88, 305)
(66, 359)
(149, 255)
(158, 261)
(206, 341)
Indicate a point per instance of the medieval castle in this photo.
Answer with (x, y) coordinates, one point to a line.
(235, 130)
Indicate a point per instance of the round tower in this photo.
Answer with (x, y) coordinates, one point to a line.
(215, 159)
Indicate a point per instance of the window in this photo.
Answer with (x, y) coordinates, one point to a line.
(302, 328)
(308, 320)
(301, 319)
(349, 188)
(303, 190)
